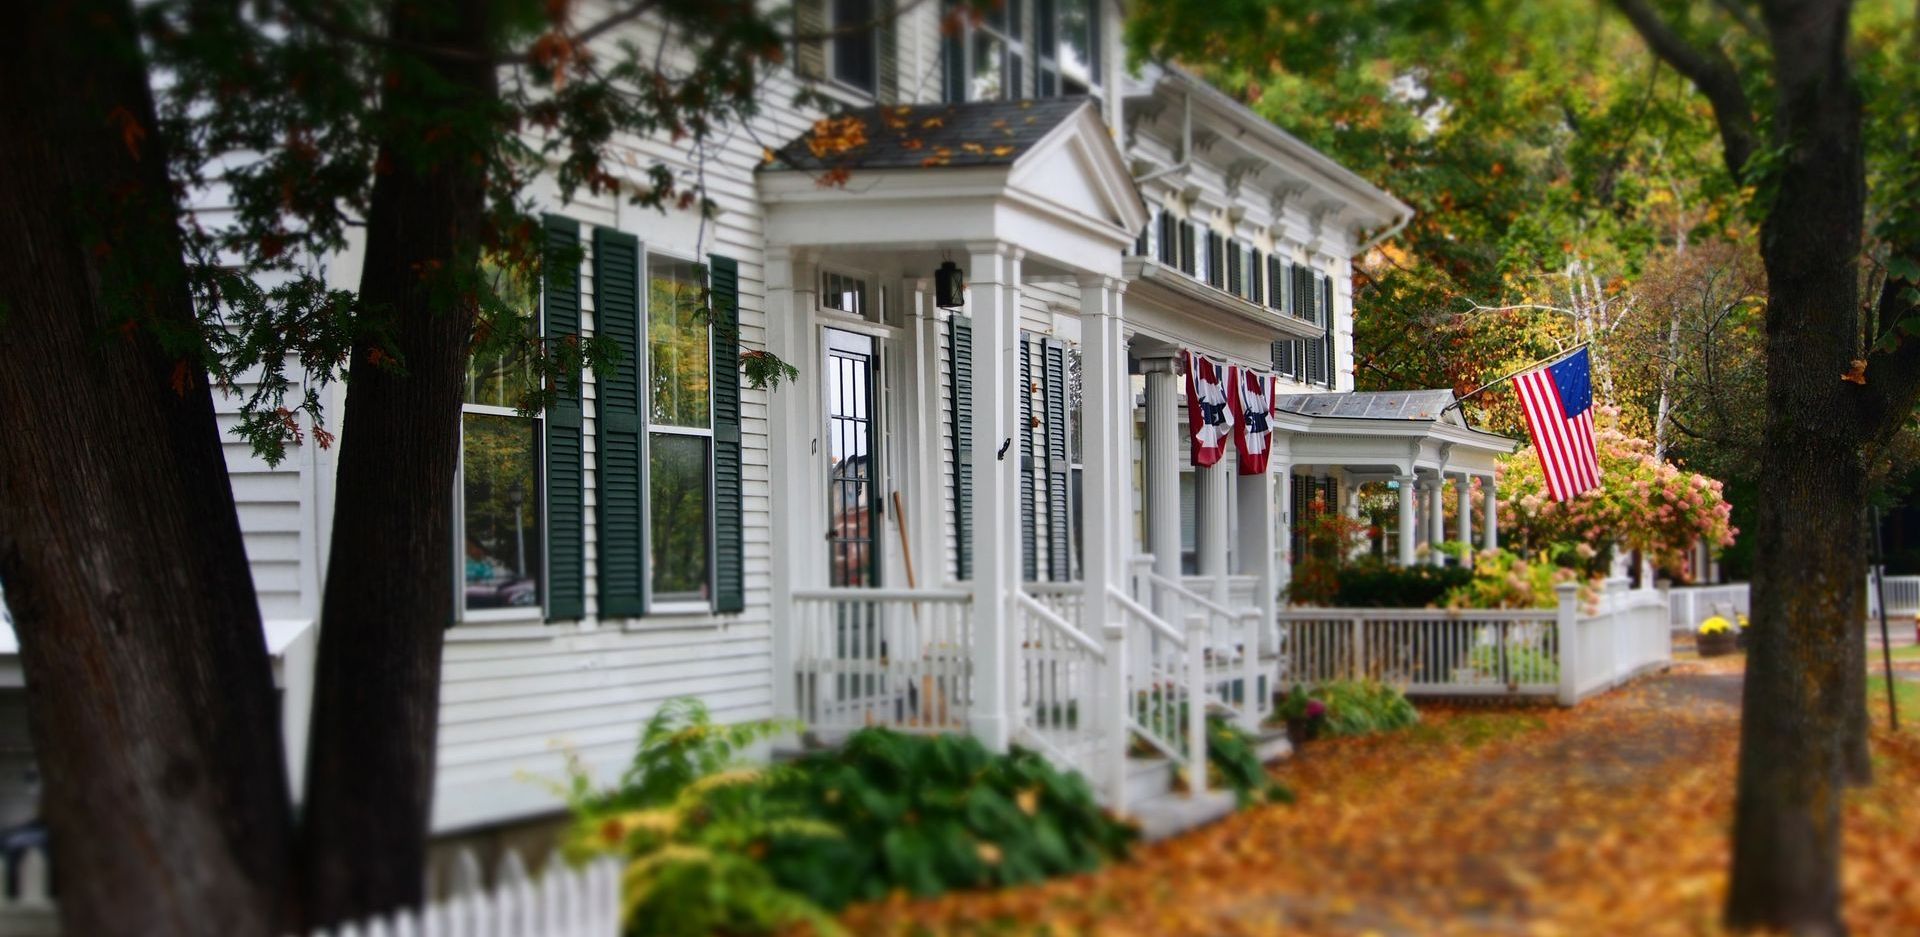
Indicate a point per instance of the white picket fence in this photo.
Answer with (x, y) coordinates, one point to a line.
(1688, 606)
(563, 902)
(1568, 653)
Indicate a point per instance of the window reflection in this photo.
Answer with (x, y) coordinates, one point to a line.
(678, 493)
(678, 353)
(499, 463)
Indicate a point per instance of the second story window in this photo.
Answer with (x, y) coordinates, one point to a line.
(1067, 36)
(855, 48)
(985, 60)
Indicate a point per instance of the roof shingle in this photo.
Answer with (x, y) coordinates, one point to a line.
(909, 136)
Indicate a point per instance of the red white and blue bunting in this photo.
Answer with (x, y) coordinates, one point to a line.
(1209, 413)
(1253, 402)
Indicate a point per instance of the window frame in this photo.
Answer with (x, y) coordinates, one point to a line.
(533, 614)
(1046, 59)
(832, 52)
(1013, 70)
(648, 429)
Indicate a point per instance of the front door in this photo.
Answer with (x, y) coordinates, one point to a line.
(853, 476)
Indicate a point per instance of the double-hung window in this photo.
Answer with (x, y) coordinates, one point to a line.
(985, 61)
(500, 493)
(679, 435)
(1067, 34)
(854, 50)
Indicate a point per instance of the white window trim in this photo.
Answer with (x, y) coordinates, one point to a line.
(1016, 47)
(536, 614)
(832, 45)
(674, 606)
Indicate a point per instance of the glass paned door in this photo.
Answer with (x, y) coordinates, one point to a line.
(853, 491)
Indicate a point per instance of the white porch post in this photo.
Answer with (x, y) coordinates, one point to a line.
(1350, 504)
(789, 304)
(1108, 413)
(1436, 520)
(1210, 524)
(1463, 506)
(1283, 529)
(1407, 493)
(995, 518)
(1256, 559)
(1163, 470)
(1490, 527)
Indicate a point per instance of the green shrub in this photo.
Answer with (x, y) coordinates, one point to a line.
(1374, 584)
(692, 827)
(934, 813)
(1503, 579)
(1524, 663)
(1363, 707)
(1233, 759)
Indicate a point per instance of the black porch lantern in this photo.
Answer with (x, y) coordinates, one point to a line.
(950, 286)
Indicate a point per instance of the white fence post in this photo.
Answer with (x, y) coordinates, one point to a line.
(1567, 626)
(1197, 704)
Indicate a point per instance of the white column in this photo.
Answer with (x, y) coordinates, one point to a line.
(1407, 493)
(1256, 558)
(1107, 411)
(1463, 506)
(1163, 467)
(792, 442)
(1283, 528)
(1490, 519)
(1350, 504)
(1210, 523)
(996, 520)
(1436, 520)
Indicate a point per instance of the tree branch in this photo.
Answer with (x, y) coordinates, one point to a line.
(1710, 71)
(1893, 374)
(1743, 16)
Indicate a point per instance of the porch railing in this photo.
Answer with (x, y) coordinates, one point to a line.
(1230, 655)
(1903, 596)
(883, 657)
(1625, 633)
(1166, 684)
(1423, 651)
(1057, 684)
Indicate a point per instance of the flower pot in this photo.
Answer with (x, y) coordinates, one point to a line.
(1717, 643)
(1302, 731)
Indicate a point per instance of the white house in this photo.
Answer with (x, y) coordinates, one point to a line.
(981, 518)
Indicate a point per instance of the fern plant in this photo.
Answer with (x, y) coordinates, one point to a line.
(1233, 760)
(695, 827)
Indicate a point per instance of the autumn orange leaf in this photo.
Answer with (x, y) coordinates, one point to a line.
(1858, 373)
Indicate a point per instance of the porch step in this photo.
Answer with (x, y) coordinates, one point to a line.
(1272, 745)
(1172, 813)
(1148, 778)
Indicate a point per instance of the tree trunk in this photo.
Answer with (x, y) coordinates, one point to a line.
(150, 700)
(1809, 562)
(390, 580)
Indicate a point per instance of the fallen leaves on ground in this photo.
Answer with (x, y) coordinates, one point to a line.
(1610, 818)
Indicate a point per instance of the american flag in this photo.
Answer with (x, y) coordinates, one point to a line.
(1558, 400)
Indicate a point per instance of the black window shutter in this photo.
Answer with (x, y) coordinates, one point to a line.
(1325, 285)
(887, 53)
(1234, 282)
(954, 67)
(1059, 466)
(1276, 291)
(960, 418)
(1029, 494)
(1302, 293)
(1256, 266)
(620, 490)
(566, 491)
(810, 49)
(1186, 248)
(1140, 243)
(1277, 355)
(729, 498)
(1216, 270)
(1169, 238)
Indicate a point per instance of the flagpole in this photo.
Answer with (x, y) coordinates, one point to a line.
(1544, 362)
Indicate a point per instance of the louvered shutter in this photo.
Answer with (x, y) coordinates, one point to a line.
(1186, 248)
(620, 487)
(566, 491)
(960, 418)
(954, 67)
(1326, 321)
(1169, 238)
(810, 48)
(1256, 266)
(1216, 267)
(1235, 284)
(1276, 284)
(1029, 521)
(887, 55)
(729, 496)
(1140, 243)
(1059, 464)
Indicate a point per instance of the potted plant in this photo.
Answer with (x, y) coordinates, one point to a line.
(1716, 637)
(1303, 715)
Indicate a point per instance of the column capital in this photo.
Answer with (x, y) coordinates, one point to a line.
(1160, 364)
(1099, 281)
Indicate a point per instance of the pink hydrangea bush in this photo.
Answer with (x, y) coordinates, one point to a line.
(1642, 504)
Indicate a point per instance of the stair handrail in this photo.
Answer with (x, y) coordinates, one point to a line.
(1052, 619)
(1205, 604)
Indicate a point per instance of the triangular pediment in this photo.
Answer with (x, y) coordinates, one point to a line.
(1078, 168)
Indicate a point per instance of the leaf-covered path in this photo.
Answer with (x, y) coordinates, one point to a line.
(1610, 818)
